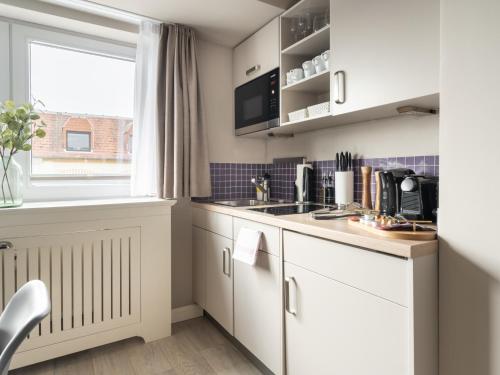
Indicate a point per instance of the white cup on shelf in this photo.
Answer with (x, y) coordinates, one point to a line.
(325, 56)
(298, 74)
(319, 64)
(309, 69)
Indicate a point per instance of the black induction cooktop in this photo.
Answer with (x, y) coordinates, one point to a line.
(290, 210)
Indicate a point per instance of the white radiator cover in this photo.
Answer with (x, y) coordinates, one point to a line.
(99, 274)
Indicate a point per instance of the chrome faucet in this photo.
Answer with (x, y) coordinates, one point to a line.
(263, 188)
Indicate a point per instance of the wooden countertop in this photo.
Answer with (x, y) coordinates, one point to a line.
(336, 230)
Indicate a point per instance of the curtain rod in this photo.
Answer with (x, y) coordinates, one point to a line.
(104, 11)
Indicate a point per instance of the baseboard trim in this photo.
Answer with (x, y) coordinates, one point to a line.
(180, 314)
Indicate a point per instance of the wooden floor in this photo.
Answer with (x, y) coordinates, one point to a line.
(195, 347)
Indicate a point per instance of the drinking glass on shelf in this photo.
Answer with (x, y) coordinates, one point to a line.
(309, 19)
(301, 28)
(320, 20)
(293, 29)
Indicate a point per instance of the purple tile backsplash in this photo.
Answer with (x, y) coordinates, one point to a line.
(232, 180)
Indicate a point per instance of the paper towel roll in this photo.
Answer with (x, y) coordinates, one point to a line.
(344, 187)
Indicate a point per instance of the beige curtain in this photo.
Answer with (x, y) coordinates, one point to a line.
(183, 161)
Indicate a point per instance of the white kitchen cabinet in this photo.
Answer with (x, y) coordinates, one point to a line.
(336, 329)
(219, 279)
(257, 309)
(370, 271)
(387, 49)
(270, 242)
(4, 62)
(257, 55)
(213, 222)
(354, 311)
(199, 266)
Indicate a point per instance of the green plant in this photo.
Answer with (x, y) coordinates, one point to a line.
(18, 126)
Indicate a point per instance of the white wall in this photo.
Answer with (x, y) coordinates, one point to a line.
(398, 136)
(215, 71)
(182, 258)
(215, 67)
(469, 152)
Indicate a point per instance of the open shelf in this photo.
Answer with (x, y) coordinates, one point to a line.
(306, 6)
(312, 44)
(317, 83)
(327, 117)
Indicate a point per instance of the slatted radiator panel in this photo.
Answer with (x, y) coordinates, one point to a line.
(93, 279)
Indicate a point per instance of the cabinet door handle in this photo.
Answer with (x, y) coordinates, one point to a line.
(5, 245)
(253, 69)
(224, 271)
(339, 87)
(288, 307)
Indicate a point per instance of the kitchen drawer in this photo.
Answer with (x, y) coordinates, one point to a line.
(270, 235)
(213, 222)
(382, 275)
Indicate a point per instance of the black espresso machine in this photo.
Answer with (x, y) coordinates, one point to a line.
(412, 196)
(390, 187)
(419, 198)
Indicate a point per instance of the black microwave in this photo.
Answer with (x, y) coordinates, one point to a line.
(257, 104)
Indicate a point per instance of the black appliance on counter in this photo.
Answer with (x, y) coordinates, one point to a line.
(390, 185)
(419, 200)
(257, 104)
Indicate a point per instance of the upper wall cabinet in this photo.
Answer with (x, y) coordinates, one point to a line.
(360, 61)
(4, 62)
(257, 55)
(383, 52)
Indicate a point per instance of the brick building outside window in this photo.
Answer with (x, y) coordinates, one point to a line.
(80, 145)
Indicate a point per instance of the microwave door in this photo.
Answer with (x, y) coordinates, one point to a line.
(252, 106)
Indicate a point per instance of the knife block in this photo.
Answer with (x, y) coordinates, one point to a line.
(344, 187)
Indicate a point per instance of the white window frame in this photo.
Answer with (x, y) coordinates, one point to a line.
(4, 61)
(61, 188)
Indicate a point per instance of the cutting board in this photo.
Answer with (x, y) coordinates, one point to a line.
(397, 235)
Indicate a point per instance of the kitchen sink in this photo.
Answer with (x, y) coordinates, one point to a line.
(244, 203)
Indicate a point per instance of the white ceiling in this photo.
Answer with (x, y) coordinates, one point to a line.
(226, 22)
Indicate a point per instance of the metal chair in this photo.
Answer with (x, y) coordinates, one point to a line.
(25, 310)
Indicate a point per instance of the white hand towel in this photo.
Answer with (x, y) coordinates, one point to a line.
(247, 246)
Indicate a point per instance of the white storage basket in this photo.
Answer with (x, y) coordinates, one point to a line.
(318, 109)
(301, 114)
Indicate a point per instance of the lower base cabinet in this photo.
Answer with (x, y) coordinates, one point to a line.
(335, 329)
(257, 309)
(322, 307)
(219, 279)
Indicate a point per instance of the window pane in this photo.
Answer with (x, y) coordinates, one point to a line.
(88, 111)
(77, 141)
